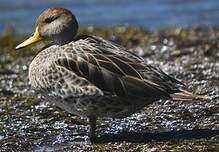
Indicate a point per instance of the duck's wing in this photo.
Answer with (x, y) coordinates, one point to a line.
(113, 70)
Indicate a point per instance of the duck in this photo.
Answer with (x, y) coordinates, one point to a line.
(92, 77)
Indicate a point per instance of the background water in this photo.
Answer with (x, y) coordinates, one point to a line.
(151, 14)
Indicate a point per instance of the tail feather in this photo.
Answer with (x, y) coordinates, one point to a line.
(188, 96)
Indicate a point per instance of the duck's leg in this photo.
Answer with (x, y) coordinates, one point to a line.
(92, 123)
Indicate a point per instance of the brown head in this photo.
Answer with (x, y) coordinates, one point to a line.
(57, 24)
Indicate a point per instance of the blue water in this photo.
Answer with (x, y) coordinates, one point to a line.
(151, 14)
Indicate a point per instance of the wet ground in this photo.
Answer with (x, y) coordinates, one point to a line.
(191, 55)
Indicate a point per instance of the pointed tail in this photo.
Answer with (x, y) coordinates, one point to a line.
(188, 96)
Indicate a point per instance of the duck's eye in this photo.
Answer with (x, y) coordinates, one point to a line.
(50, 19)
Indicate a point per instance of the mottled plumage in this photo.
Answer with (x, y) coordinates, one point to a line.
(92, 76)
(89, 76)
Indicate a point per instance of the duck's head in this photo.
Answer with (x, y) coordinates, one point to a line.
(56, 24)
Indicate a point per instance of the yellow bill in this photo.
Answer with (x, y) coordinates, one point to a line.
(33, 39)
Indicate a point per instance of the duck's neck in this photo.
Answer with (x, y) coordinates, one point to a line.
(63, 40)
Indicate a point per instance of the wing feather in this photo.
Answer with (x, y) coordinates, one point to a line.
(115, 71)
